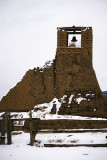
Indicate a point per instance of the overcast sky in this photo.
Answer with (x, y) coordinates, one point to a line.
(28, 35)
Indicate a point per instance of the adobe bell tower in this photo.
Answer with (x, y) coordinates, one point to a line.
(75, 77)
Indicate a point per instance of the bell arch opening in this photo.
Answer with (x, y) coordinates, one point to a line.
(74, 40)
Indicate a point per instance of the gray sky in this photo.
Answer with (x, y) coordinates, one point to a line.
(28, 35)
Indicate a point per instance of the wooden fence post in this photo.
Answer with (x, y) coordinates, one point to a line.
(2, 137)
(31, 132)
(9, 129)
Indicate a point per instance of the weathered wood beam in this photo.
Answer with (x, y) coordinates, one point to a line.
(71, 28)
(73, 32)
(75, 145)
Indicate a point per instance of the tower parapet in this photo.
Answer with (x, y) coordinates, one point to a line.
(84, 39)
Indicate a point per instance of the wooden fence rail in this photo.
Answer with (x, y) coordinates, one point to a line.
(34, 125)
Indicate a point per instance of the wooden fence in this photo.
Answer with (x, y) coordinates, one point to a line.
(34, 125)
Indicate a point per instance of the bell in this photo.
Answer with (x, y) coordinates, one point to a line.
(74, 39)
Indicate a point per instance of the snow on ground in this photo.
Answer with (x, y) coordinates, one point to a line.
(46, 115)
(56, 116)
(71, 138)
(19, 150)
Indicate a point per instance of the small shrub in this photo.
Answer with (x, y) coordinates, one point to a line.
(74, 141)
(59, 140)
(50, 141)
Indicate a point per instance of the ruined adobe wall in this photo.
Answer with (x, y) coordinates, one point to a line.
(70, 78)
(36, 87)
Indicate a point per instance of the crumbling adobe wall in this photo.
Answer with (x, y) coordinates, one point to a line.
(36, 87)
(70, 78)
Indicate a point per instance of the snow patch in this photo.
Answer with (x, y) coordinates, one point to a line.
(70, 98)
(48, 64)
(63, 99)
(58, 105)
(85, 29)
(78, 100)
(44, 109)
(89, 94)
(79, 94)
(19, 115)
